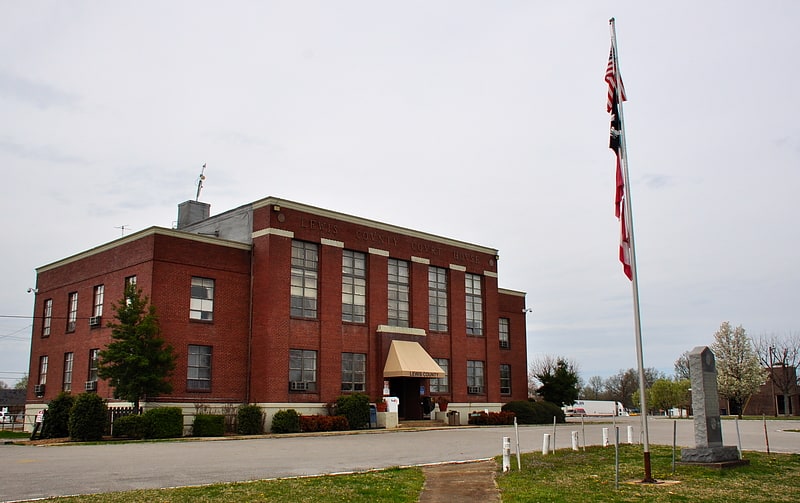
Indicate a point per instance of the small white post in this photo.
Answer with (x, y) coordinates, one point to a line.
(574, 440)
(506, 454)
(630, 434)
(516, 430)
(546, 444)
(605, 437)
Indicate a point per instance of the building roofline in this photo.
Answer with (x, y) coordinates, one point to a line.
(516, 293)
(151, 231)
(270, 200)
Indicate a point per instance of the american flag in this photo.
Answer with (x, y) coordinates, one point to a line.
(615, 96)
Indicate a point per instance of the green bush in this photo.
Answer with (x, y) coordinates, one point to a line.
(286, 421)
(164, 422)
(57, 420)
(87, 418)
(355, 408)
(315, 423)
(528, 412)
(132, 426)
(250, 420)
(208, 425)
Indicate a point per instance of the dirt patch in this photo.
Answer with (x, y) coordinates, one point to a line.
(460, 482)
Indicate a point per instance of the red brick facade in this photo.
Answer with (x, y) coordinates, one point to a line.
(252, 331)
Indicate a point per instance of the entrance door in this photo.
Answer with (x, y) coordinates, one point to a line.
(407, 390)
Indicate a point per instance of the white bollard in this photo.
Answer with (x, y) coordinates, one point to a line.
(546, 444)
(574, 440)
(605, 437)
(506, 454)
(630, 434)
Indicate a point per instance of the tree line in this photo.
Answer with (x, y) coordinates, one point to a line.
(743, 366)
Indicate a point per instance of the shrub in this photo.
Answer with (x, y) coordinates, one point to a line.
(208, 425)
(492, 418)
(355, 408)
(528, 412)
(164, 422)
(250, 420)
(57, 420)
(286, 421)
(317, 423)
(132, 426)
(87, 418)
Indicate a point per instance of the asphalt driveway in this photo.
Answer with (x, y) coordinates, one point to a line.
(28, 472)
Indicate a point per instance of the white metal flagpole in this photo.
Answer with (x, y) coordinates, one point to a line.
(628, 217)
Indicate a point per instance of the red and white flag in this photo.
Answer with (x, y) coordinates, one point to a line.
(616, 95)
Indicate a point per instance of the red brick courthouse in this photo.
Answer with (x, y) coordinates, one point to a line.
(289, 306)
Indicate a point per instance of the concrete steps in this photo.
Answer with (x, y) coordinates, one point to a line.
(425, 423)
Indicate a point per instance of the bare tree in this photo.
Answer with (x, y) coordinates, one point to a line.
(594, 389)
(780, 355)
(682, 366)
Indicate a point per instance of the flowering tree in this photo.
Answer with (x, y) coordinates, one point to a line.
(739, 372)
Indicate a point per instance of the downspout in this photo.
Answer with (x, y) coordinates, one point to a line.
(250, 329)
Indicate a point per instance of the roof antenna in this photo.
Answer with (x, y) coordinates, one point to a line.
(200, 182)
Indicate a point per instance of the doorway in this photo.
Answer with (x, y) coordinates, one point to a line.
(409, 391)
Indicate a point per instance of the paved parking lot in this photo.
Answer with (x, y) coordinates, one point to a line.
(29, 472)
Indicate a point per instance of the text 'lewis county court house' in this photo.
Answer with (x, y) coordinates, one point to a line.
(286, 305)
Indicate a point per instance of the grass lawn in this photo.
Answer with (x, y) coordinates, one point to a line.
(569, 476)
(14, 435)
(386, 486)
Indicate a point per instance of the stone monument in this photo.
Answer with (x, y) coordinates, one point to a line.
(705, 404)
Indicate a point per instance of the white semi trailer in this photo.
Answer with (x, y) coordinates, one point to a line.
(595, 408)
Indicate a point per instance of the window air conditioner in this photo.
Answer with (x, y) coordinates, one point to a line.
(91, 386)
(504, 344)
(474, 390)
(95, 321)
(39, 389)
(298, 386)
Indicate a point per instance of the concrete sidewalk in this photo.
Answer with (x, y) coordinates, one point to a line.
(470, 481)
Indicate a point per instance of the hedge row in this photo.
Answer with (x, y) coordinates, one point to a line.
(164, 422)
(492, 418)
(318, 423)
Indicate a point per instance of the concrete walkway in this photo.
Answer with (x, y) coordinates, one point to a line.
(471, 481)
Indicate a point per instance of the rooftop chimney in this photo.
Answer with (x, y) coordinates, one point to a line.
(191, 212)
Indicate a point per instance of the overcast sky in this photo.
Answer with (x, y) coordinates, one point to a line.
(479, 121)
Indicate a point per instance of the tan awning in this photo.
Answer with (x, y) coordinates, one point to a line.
(409, 359)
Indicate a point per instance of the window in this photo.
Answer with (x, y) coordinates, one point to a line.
(94, 355)
(305, 258)
(354, 286)
(302, 370)
(43, 369)
(474, 377)
(198, 372)
(504, 341)
(398, 293)
(441, 385)
(72, 314)
(68, 359)
(354, 367)
(201, 305)
(97, 310)
(47, 317)
(437, 299)
(474, 304)
(130, 281)
(505, 379)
